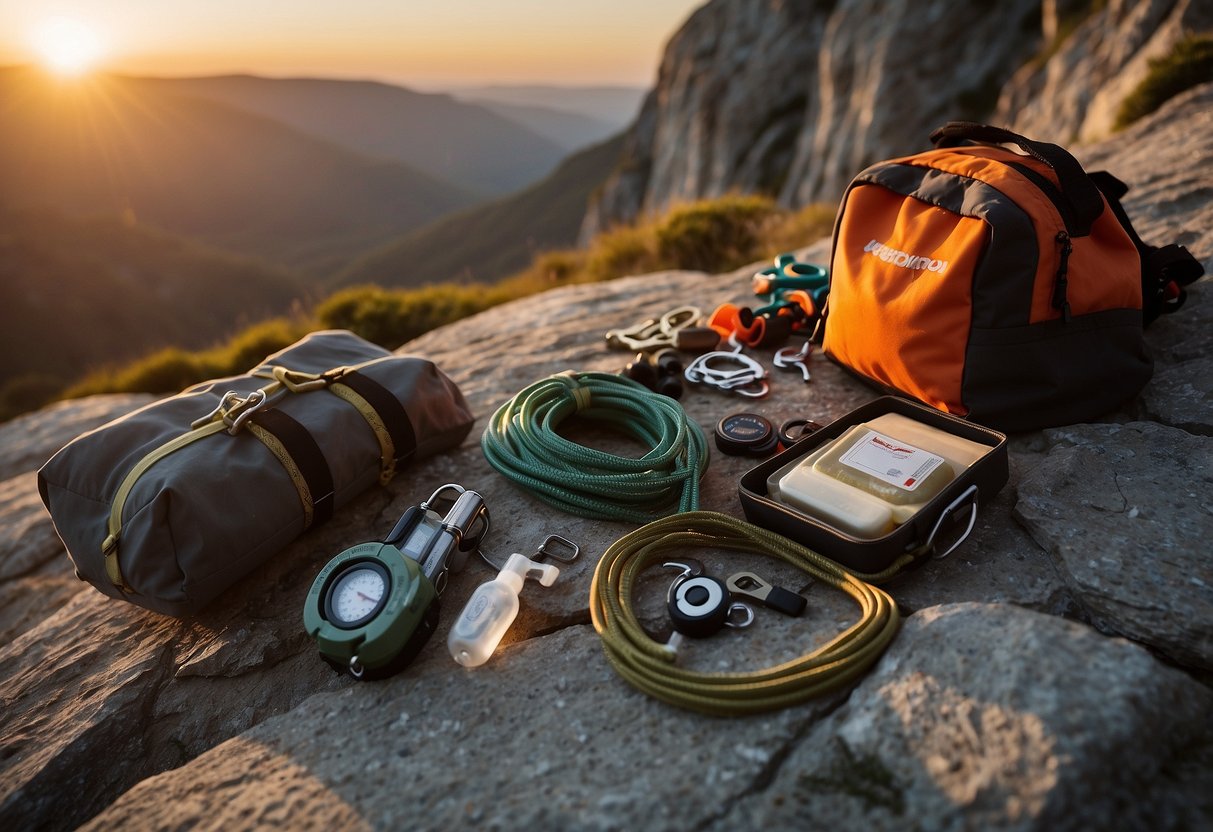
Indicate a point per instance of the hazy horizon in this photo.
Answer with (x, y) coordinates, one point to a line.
(429, 47)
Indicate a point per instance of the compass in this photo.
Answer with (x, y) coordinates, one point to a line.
(375, 605)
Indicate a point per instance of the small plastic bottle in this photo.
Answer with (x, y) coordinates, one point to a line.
(492, 609)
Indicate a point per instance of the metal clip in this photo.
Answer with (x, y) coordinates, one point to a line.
(543, 553)
(790, 359)
(745, 379)
(689, 568)
(234, 409)
(243, 409)
(654, 333)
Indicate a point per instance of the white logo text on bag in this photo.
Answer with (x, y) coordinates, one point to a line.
(904, 259)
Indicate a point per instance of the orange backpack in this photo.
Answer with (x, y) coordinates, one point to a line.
(1005, 288)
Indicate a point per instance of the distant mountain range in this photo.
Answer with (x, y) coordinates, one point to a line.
(482, 152)
(572, 131)
(77, 293)
(205, 169)
(137, 213)
(493, 240)
(613, 105)
(308, 173)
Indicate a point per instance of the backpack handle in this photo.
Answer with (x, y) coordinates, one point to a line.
(1085, 201)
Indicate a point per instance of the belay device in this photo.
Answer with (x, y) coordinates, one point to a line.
(374, 606)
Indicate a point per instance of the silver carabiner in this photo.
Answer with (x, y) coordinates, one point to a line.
(739, 378)
(792, 359)
(750, 391)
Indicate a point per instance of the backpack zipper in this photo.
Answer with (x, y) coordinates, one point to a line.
(1059, 283)
(1050, 191)
(1055, 196)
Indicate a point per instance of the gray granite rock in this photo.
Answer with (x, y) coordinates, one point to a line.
(890, 73)
(1076, 93)
(1127, 512)
(951, 730)
(545, 736)
(850, 83)
(992, 717)
(35, 575)
(703, 131)
(30, 440)
(1182, 396)
(842, 85)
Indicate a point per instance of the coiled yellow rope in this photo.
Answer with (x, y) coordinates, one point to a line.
(649, 665)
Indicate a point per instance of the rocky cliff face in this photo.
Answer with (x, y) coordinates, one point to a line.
(793, 97)
(731, 98)
(1076, 93)
(1051, 674)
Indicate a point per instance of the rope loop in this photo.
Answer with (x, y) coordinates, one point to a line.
(522, 443)
(650, 666)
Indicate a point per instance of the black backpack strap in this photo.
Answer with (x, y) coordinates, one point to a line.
(1165, 270)
(1082, 196)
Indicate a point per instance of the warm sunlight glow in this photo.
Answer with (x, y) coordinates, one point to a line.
(66, 46)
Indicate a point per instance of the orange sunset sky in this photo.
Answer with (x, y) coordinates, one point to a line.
(430, 44)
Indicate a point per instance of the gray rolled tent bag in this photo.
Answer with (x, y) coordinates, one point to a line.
(169, 506)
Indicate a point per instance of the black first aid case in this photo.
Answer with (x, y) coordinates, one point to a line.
(881, 488)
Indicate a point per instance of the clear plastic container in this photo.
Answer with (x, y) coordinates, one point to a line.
(491, 610)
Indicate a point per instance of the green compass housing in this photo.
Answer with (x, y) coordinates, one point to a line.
(373, 607)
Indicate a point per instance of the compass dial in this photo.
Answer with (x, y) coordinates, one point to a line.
(357, 595)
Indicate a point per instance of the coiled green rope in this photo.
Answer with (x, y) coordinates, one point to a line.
(521, 442)
(649, 665)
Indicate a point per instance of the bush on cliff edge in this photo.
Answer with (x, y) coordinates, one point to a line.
(1189, 64)
(708, 235)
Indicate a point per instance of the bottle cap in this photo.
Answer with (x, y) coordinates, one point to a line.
(746, 434)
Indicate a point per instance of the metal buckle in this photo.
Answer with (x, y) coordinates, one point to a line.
(235, 410)
(969, 494)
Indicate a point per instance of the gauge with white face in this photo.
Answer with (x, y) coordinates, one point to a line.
(357, 595)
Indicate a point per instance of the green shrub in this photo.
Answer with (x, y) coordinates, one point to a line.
(1190, 63)
(173, 369)
(368, 311)
(391, 317)
(558, 267)
(710, 235)
(248, 348)
(165, 371)
(787, 232)
(714, 235)
(27, 392)
(621, 251)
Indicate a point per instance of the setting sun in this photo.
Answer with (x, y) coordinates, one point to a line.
(66, 46)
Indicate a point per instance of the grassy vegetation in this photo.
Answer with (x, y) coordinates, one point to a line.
(715, 235)
(172, 369)
(78, 292)
(1189, 63)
